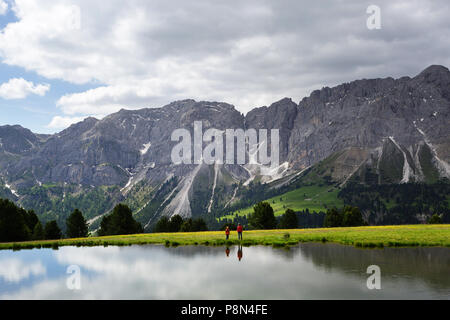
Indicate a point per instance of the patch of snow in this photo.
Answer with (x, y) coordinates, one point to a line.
(14, 192)
(145, 148)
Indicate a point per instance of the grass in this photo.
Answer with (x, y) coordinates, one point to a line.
(364, 237)
(313, 198)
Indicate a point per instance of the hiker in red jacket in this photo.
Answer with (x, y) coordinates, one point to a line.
(239, 231)
(227, 232)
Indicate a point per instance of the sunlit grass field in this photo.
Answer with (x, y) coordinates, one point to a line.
(365, 237)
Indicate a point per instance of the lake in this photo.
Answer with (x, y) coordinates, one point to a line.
(307, 271)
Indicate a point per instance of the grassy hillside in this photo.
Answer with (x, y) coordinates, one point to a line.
(315, 198)
(381, 236)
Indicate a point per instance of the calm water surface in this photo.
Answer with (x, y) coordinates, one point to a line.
(309, 271)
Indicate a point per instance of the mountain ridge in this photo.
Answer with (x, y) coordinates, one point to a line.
(395, 129)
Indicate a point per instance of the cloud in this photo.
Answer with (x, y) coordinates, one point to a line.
(59, 122)
(19, 88)
(248, 53)
(16, 270)
(3, 7)
(107, 99)
(158, 273)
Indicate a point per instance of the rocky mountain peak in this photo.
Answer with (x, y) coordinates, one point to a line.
(433, 72)
(438, 77)
(400, 126)
(17, 140)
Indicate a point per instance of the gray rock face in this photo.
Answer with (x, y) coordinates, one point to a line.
(110, 151)
(280, 115)
(364, 113)
(17, 140)
(378, 120)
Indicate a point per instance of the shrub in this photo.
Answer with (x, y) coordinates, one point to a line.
(435, 219)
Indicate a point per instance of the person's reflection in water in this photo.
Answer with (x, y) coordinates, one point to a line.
(227, 251)
(239, 253)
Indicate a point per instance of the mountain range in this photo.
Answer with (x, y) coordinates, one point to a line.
(369, 131)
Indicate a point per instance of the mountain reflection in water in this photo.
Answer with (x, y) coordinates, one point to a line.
(308, 271)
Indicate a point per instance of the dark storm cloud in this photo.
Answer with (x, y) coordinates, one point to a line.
(249, 53)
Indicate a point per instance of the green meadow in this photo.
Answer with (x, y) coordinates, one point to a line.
(314, 198)
(364, 237)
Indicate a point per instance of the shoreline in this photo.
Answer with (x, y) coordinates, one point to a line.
(362, 237)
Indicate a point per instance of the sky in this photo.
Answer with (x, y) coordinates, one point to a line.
(62, 61)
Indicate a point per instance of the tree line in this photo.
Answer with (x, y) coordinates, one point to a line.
(263, 217)
(406, 203)
(177, 224)
(18, 224)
